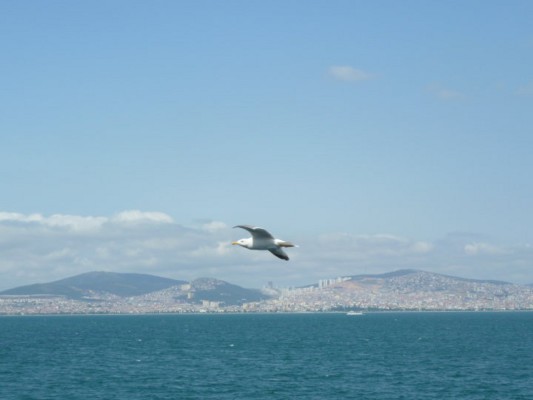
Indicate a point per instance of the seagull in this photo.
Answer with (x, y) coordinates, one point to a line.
(262, 240)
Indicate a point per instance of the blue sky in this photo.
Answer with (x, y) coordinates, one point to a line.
(406, 124)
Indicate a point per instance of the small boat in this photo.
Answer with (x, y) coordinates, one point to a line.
(354, 313)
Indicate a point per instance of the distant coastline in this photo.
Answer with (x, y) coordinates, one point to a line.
(102, 293)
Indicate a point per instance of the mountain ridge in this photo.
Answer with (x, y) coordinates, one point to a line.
(403, 272)
(78, 286)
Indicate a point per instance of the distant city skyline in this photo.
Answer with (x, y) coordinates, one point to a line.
(376, 136)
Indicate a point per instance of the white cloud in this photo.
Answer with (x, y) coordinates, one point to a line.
(373, 245)
(71, 222)
(422, 247)
(214, 226)
(213, 250)
(473, 249)
(74, 223)
(16, 217)
(136, 216)
(349, 74)
(60, 254)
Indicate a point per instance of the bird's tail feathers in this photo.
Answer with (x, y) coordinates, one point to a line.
(283, 243)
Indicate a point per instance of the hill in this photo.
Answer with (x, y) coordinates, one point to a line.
(412, 290)
(84, 285)
(94, 286)
(226, 293)
(430, 277)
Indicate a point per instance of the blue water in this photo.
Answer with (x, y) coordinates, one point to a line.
(288, 356)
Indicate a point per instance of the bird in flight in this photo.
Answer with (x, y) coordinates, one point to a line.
(262, 240)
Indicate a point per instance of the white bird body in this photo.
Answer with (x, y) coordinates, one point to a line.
(262, 240)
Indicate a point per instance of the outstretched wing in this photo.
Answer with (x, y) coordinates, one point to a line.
(279, 253)
(257, 233)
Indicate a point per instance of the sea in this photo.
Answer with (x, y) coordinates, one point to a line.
(406, 355)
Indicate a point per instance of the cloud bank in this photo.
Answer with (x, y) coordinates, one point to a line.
(36, 248)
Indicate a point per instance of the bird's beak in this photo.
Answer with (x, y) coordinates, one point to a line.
(234, 243)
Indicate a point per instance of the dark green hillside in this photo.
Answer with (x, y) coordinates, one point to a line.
(123, 285)
(224, 292)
